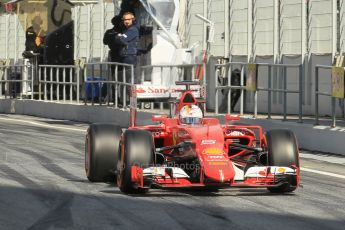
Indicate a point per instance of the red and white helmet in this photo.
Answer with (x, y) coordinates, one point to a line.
(190, 114)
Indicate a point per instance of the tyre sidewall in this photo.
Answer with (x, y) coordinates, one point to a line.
(137, 150)
(102, 144)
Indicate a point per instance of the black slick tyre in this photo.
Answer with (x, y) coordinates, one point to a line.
(137, 150)
(101, 151)
(282, 150)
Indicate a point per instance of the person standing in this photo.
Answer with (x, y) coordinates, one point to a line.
(110, 38)
(123, 41)
(128, 40)
(34, 40)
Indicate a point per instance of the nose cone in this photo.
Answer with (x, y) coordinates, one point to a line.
(217, 166)
(210, 148)
(219, 171)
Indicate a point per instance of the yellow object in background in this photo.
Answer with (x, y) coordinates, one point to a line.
(38, 41)
(251, 82)
(338, 82)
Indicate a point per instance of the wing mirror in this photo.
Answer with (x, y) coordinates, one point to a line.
(159, 118)
(229, 117)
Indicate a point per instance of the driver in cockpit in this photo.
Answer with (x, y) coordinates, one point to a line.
(190, 114)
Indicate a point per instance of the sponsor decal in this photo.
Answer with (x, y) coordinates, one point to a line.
(263, 172)
(216, 160)
(140, 90)
(208, 142)
(281, 170)
(217, 163)
(236, 133)
(215, 157)
(159, 90)
(174, 137)
(156, 90)
(148, 91)
(213, 151)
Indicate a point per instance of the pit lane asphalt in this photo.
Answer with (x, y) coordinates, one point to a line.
(43, 186)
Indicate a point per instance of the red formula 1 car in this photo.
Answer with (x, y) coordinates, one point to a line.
(189, 150)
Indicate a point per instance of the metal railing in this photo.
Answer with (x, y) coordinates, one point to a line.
(108, 82)
(329, 94)
(59, 82)
(70, 83)
(228, 86)
(16, 81)
(268, 88)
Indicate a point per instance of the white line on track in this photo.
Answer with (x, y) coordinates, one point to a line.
(42, 125)
(323, 173)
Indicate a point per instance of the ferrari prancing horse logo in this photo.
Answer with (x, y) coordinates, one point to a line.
(174, 136)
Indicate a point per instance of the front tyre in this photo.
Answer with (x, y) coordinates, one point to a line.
(282, 151)
(137, 150)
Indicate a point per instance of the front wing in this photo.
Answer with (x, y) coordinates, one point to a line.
(257, 176)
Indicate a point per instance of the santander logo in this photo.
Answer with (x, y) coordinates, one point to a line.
(154, 90)
(140, 90)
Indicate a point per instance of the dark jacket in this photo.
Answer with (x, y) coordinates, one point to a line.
(110, 39)
(30, 37)
(129, 41)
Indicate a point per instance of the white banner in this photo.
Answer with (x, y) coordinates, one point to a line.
(160, 91)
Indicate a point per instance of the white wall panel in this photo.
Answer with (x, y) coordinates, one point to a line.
(290, 27)
(90, 23)
(263, 27)
(97, 30)
(12, 37)
(238, 27)
(81, 31)
(320, 26)
(3, 36)
(217, 16)
(194, 25)
(342, 25)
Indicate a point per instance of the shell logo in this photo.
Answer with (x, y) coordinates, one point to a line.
(281, 170)
(213, 151)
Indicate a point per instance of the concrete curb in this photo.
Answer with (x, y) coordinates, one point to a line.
(310, 137)
(82, 113)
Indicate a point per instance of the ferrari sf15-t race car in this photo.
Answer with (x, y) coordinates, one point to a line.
(190, 150)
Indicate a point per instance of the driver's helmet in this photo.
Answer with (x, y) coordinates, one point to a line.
(190, 114)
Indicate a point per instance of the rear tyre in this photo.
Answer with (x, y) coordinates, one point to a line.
(101, 151)
(137, 150)
(282, 151)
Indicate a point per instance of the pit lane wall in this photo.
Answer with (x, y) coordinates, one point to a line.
(310, 137)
